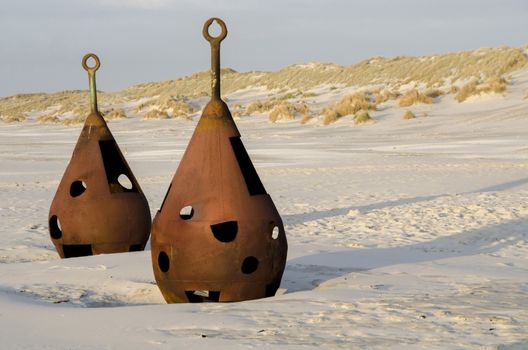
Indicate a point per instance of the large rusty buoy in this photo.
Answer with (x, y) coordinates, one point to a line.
(99, 206)
(217, 235)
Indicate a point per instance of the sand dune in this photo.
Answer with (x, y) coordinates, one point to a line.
(299, 91)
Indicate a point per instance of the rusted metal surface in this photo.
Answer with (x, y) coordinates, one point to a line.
(99, 206)
(217, 235)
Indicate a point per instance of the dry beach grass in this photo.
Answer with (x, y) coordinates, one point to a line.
(419, 79)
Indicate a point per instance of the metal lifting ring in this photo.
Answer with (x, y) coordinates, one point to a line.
(85, 62)
(210, 38)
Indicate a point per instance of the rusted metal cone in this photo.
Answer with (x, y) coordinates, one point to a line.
(217, 235)
(99, 206)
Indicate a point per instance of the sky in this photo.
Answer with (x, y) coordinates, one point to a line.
(42, 42)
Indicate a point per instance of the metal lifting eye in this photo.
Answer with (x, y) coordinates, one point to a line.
(208, 24)
(93, 57)
(215, 54)
(91, 77)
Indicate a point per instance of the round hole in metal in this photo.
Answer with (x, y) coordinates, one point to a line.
(124, 181)
(275, 232)
(249, 265)
(54, 227)
(163, 261)
(186, 212)
(77, 188)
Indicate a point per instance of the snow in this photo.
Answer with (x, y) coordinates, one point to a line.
(402, 235)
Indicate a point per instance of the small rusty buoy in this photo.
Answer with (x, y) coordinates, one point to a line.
(217, 235)
(99, 206)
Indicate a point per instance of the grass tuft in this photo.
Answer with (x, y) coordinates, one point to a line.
(283, 111)
(348, 105)
(433, 93)
(414, 96)
(117, 113)
(51, 118)
(13, 118)
(408, 115)
(156, 114)
(495, 85)
(385, 95)
(362, 117)
(289, 111)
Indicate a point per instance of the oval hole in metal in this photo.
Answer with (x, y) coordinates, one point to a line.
(249, 265)
(77, 188)
(55, 228)
(186, 212)
(124, 181)
(163, 261)
(275, 232)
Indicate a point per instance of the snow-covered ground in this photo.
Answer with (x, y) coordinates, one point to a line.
(402, 235)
